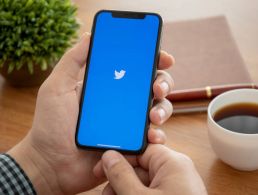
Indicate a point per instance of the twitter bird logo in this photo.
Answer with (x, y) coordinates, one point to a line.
(120, 74)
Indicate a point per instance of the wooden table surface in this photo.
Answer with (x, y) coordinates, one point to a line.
(186, 133)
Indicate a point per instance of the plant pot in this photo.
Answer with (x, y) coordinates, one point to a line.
(22, 77)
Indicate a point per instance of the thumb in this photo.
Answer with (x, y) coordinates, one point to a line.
(67, 70)
(74, 59)
(120, 174)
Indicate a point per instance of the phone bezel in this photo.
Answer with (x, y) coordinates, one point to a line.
(123, 14)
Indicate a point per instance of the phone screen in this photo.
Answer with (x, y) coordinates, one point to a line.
(118, 82)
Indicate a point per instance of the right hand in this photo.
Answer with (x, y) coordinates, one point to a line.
(161, 171)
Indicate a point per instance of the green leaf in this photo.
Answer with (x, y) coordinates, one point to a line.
(19, 65)
(30, 67)
(29, 3)
(11, 66)
(44, 65)
(1, 63)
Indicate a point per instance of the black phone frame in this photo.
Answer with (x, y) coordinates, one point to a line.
(133, 15)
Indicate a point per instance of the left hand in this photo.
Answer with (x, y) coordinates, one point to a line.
(48, 153)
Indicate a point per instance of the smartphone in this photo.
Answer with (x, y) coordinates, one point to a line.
(117, 88)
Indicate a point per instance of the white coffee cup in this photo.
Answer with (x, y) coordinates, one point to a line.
(239, 150)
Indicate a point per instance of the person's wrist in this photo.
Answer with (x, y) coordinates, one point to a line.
(36, 167)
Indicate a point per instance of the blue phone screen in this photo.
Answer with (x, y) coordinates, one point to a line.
(118, 84)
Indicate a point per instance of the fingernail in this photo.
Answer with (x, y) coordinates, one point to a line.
(166, 53)
(83, 35)
(173, 59)
(86, 34)
(170, 56)
(164, 86)
(162, 113)
(109, 159)
(160, 135)
(79, 83)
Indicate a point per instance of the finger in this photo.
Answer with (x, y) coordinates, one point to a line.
(162, 85)
(108, 190)
(81, 73)
(142, 175)
(161, 112)
(157, 156)
(165, 60)
(79, 90)
(70, 65)
(165, 165)
(80, 83)
(154, 157)
(120, 173)
(156, 136)
(99, 171)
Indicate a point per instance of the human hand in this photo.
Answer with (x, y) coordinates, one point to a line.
(48, 153)
(160, 171)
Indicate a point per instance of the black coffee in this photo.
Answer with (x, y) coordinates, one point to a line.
(241, 117)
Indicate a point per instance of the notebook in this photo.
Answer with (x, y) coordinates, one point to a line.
(206, 54)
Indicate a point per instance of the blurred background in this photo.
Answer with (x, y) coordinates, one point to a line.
(241, 15)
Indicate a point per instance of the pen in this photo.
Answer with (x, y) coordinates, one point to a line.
(208, 92)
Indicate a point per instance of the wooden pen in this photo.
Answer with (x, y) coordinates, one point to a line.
(208, 92)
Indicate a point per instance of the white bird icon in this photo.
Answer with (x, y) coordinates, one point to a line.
(120, 74)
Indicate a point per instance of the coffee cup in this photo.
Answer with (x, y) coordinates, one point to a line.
(235, 148)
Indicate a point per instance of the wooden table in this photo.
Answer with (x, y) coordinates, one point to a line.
(186, 133)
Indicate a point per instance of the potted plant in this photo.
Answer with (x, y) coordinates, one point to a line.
(34, 34)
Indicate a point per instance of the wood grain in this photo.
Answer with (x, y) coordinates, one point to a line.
(186, 133)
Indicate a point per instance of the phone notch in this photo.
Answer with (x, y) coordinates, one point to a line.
(131, 15)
